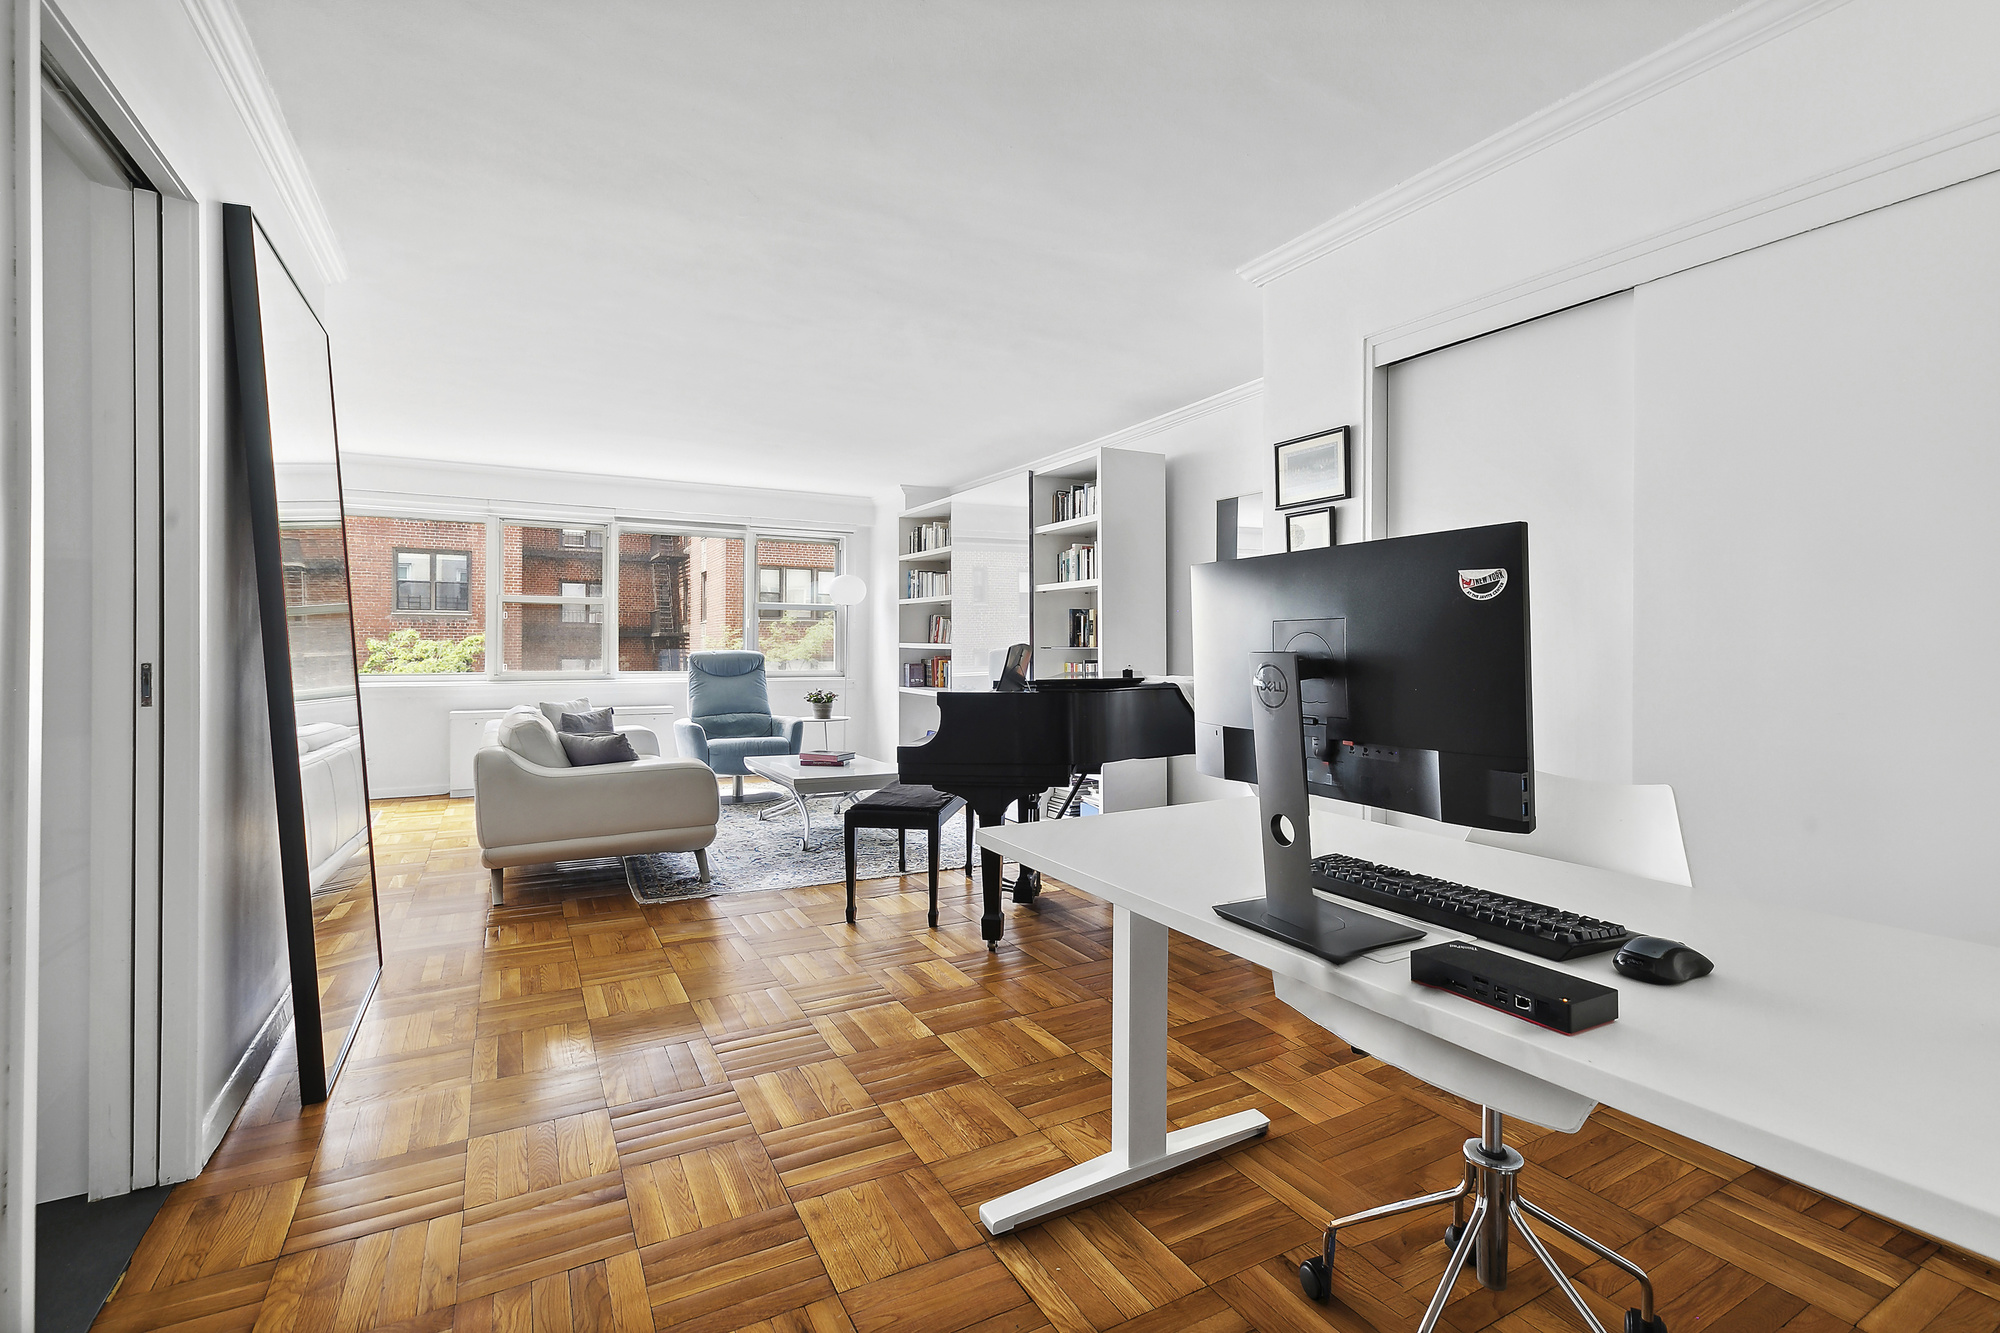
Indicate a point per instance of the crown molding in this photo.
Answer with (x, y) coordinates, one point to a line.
(1118, 439)
(1701, 50)
(228, 44)
(476, 477)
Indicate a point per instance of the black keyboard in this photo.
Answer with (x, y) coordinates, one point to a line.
(1536, 928)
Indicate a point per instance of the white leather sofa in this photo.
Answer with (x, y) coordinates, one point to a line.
(336, 798)
(531, 806)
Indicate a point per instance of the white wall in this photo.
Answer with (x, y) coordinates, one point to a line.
(407, 720)
(1534, 424)
(1785, 118)
(1816, 637)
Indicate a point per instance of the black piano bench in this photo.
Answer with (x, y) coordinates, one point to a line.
(902, 808)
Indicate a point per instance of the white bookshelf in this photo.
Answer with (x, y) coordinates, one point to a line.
(1128, 592)
(986, 555)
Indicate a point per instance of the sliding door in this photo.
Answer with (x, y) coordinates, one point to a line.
(99, 989)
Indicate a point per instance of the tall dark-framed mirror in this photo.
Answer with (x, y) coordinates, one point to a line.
(289, 445)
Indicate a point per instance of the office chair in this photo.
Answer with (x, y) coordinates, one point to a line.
(1634, 830)
(1492, 1171)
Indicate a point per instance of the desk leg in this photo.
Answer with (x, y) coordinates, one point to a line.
(1141, 1144)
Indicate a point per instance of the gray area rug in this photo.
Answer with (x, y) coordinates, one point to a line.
(750, 855)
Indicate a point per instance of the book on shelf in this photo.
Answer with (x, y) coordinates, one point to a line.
(1080, 670)
(1082, 627)
(926, 583)
(940, 630)
(927, 537)
(825, 758)
(930, 673)
(1076, 564)
(1079, 501)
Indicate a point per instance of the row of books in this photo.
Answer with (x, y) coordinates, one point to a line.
(939, 630)
(1079, 670)
(1089, 800)
(1078, 501)
(927, 537)
(825, 758)
(1077, 563)
(929, 673)
(926, 583)
(1082, 627)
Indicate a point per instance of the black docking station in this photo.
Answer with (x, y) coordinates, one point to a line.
(1541, 995)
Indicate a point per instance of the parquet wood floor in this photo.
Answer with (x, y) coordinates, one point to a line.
(742, 1114)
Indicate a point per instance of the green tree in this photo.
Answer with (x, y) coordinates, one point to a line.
(407, 652)
(797, 640)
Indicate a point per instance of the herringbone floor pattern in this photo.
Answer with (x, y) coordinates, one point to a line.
(574, 1113)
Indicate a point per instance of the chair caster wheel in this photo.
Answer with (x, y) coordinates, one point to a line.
(1452, 1235)
(1634, 1324)
(1316, 1279)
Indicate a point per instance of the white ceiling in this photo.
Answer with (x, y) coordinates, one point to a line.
(840, 245)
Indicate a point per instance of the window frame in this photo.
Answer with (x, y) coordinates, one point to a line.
(499, 599)
(427, 514)
(609, 531)
(396, 554)
(753, 602)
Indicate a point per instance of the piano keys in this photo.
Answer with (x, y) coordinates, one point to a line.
(994, 750)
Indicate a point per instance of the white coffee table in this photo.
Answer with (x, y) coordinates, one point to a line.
(804, 781)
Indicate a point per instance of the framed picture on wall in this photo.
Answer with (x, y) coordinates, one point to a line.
(1309, 529)
(1312, 468)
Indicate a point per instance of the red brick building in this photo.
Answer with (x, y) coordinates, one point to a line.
(677, 594)
(385, 603)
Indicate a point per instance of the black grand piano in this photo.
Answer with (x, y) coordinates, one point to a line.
(1007, 746)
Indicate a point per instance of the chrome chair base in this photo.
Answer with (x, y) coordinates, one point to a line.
(1492, 1172)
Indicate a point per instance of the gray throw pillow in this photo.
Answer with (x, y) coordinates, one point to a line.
(553, 712)
(596, 722)
(585, 750)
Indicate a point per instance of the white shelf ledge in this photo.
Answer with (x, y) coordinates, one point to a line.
(1065, 650)
(922, 601)
(1067, 525)
(1080, 585)
(935, 553)
(928, 647)
(916, 689)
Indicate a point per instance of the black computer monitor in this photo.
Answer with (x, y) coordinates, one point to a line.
(1413, 658)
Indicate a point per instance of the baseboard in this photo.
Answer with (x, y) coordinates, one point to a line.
(236, 1088)
(396, 793)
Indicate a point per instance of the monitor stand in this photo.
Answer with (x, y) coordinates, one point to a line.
(1290, 910)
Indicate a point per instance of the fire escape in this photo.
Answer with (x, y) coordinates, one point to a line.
(665, 561)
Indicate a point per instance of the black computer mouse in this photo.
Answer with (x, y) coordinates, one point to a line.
(1662, 962)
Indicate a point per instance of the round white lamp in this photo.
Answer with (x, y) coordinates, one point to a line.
(848, 589)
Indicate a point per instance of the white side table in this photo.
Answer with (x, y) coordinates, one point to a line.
(826, 729)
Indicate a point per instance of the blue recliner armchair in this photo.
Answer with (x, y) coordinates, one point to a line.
(729, 715)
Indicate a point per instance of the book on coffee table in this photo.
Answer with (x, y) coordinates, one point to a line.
(825, 758)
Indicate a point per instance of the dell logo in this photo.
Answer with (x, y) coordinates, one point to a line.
(1269, 683)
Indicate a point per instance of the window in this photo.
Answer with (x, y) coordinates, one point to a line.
(434, 581)
(563, 597)
(551, 598)
(796, 625)
(659, 622)
(316, 610)
(582, 613)
(419, 594)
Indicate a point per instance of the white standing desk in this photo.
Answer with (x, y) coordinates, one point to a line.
(1858, 1059)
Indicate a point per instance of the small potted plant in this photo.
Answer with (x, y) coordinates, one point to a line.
(822, 702)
